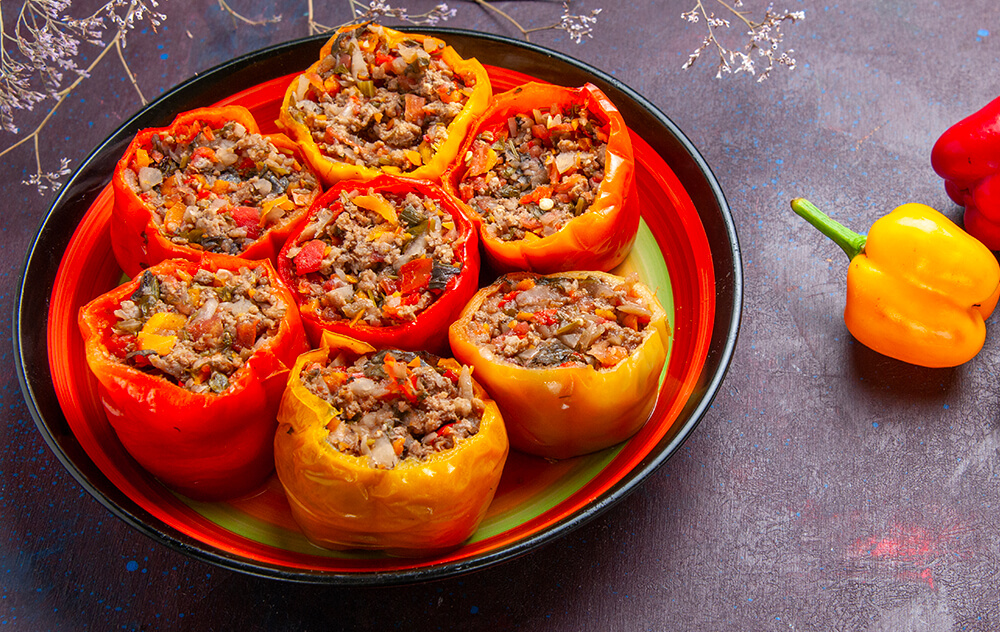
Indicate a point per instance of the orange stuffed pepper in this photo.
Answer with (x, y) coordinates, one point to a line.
(572, 359)
(549, 177)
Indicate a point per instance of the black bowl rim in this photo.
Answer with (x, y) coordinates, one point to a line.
(42, 259)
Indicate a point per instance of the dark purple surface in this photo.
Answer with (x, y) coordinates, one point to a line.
(828, 487)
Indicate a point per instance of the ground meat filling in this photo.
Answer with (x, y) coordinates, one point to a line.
(396, 405)
(218, 189)
(536, 175)
(562, 321)
(375, 258)
(374, 105)
(196, 331)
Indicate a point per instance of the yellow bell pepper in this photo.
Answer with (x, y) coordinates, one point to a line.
(159, 334)
(919, 288)
(418, 508)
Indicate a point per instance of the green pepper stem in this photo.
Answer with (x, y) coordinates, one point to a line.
(849, 241)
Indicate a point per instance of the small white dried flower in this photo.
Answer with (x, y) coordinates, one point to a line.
(578, 26)
(764, 37)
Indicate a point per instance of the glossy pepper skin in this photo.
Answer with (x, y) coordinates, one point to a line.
(205, 446)
(332, 170)
(918, 287)
(137, 240)
(429, 330)
(598, 239)
(418, 508)
(565, 411)
(967, 156)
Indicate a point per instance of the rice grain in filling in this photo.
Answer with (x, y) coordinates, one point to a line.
(380, 104)
(218, 189)
(396, 405)
(376, 258)
(537, 174)
(561, 321)
(196, 331)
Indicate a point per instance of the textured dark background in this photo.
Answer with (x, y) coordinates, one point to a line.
(827, 488)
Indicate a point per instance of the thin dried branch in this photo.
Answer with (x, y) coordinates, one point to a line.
(765, 37)
(238, 16)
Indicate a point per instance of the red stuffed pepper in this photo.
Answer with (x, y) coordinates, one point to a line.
(389, 450)
(572, 359)
(379, 100)
(191, 360)
(208, 183)
(549, 177)
(390, 261)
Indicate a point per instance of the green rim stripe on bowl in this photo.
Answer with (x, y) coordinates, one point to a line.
(550, 497)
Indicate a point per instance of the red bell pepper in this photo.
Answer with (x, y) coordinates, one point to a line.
(967, 156)
(141, 239)
(602, 232)
(212, 445)
(406, 305)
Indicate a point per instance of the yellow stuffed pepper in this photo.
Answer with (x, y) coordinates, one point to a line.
(379, 100)
(389, 450)
(572, 359)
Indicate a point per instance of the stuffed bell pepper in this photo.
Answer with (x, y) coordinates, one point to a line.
(208, 183)
(549, 176)
(379, 100)
(191, 360)
(391, 261)
(572, 359)
(389, 450)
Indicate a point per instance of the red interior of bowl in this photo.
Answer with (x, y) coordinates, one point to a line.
(88, 269)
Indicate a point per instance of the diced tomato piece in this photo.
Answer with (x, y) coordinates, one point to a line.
(389, 285)
(449, 96)
(310, 257)
(508, 297)
(204, 152)
(246, 333)
(466, 191)
(120, 345)
(540, 132)
(521, 329)
(544, 191)
(483, 158)
(248, 218)
(546, 317)
(414, 109)
(415, 275)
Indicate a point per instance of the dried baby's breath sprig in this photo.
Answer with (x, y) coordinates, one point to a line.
(578, 26)
(377, 10)
(39, 55)
(42, 181)
(765, 38)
